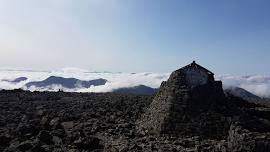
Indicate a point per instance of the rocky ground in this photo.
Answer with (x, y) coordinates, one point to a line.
(59, 121)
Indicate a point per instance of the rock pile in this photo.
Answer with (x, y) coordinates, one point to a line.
(61, 122)
(183, 108)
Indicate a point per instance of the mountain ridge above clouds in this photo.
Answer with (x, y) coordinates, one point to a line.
(69, 83)
(242, 93)
(258, 85)
(140, 89)
(17, 80)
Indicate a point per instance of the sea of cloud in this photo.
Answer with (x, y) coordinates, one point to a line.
(115, 80)
(257, 84)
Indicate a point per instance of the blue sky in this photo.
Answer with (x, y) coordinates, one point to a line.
(227, 36)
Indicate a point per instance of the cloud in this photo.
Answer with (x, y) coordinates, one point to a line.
(257, 84)
(115, 80)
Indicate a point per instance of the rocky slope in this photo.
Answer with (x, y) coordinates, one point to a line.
(58, 121)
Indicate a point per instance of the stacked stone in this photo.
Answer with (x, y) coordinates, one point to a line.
(181, 110)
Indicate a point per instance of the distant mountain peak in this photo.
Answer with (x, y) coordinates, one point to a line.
(140, 89)
(69, 83)
(17, 80)
(244, 94)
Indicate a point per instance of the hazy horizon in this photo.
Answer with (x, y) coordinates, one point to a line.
(227, 37)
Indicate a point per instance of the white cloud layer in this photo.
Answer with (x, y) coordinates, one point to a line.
(257, 84)
(115, 80)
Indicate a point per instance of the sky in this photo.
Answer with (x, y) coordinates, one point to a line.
(226, 36)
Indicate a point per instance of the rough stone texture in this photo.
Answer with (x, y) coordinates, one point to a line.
(106, 122)
(184, 118)
(241, 139)
(183, 109)
(69, 122)
(179, 108)
(196, 75)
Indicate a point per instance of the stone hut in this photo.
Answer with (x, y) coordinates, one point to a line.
(197, 75)
(180, 106)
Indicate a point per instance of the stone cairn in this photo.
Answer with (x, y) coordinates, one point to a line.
(185, 108)
(192, 104)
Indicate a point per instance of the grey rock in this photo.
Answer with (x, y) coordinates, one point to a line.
(89, 143)
(45, 137)
(26, 145)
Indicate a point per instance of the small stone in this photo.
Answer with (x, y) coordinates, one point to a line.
(55, 123)
(4, 140)
(45, 137)
(26, 145)
(56, 140)
(44, 121)
(67, 125)
(40, 112)
(89, 143)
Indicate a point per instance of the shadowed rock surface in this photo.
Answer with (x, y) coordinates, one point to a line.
(180, 104)
(66, 82)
